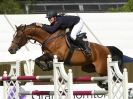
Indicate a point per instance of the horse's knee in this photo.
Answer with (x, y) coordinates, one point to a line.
(37, 61)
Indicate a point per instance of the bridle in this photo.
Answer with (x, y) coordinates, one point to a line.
(19, 38)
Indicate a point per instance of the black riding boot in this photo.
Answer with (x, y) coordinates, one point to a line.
(83, 44)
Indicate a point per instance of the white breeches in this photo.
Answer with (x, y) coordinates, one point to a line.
(76, 29)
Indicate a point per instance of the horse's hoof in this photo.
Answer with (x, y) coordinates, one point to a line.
(101, 85)
(43, 68)
(50, 65)
(47, 68)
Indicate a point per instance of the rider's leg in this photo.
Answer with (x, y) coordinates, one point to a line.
(76, 30)
(83, 44)
(79, 39)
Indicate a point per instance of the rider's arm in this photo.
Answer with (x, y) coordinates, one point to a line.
(51, 28)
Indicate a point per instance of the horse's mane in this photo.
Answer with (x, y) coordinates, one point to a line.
(25, 25)
(33, 25)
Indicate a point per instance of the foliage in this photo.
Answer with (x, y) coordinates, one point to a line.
(10, 7)
(128, 7)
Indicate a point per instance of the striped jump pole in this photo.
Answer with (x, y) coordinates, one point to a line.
(36, 92)
(95, 92)
(50, 78)
(25, 78)
(89, 78)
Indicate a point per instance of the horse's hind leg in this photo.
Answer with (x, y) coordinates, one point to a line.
(101, 69)
(91, 68)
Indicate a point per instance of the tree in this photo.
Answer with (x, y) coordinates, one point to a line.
(10, 7)
(128, 7)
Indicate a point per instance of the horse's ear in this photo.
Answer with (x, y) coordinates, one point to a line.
(16, 26)
(33, 24)
(25, 25)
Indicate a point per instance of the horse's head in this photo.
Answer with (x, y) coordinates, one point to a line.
(24, 33)
(19, 39)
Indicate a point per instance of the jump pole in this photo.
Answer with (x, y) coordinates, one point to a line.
(25, 78)
(37, 92)
(49, 78)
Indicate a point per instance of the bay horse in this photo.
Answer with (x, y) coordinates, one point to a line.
(57, 44)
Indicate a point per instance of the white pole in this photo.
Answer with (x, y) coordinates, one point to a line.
(62, 70)
(5, 86)
(117, 70)
(125, 83)
(70, 84)
(90, 30)
(59, 71)
(56, 77)
(29, 64)
(110, 93)
(17, 82)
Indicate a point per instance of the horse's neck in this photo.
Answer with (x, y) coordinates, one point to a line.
(38, 34)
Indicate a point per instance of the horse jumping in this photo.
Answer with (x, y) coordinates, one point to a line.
(57, 44)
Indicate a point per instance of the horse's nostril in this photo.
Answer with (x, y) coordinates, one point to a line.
(11, 51)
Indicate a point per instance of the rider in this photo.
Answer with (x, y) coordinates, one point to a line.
(74, 23)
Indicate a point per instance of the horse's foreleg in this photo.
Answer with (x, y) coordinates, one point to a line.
(44, 63)
(38, 63)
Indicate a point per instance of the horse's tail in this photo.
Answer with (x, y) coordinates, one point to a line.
(117, 55)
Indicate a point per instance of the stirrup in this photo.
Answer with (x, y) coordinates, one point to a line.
(82, 35)
(88, 53)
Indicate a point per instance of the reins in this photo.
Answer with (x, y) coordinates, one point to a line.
(45, 42)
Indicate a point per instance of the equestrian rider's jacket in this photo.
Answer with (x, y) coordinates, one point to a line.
(62, 22)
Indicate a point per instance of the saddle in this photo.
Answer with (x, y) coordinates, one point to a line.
(71, 43)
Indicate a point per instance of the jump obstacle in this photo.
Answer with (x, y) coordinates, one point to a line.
(63, 82)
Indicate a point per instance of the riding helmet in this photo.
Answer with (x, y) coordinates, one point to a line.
(51, 14)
